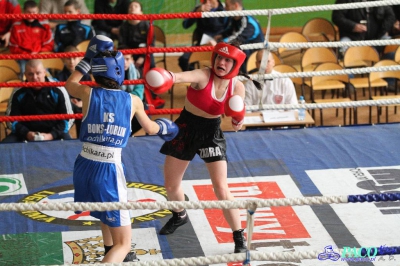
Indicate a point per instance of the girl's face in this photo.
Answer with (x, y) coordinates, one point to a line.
(135, 8)
(223, 65)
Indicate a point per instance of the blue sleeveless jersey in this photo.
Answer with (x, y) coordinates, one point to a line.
(108, 120)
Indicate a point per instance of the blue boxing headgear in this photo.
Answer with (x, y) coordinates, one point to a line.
(112, 66)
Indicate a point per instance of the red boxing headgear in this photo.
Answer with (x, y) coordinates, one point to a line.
(229, 51)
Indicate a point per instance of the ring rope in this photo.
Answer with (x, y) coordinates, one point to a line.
(221, 204)
(261, 12)
(352, 104)
(271, 45)
(174, 111)
(59, 83)
(291, 10)
(306, 74)
(207, 260)
(309, 74)
(298, 45)
(124, 51)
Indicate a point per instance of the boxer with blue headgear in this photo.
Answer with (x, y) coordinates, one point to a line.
(110, 65)
(99, 175)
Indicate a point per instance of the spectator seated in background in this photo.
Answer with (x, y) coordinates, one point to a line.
(207, 27)
(244, 30)
(38, 101)
(372, 23)
(30, 36)
(395, 32)
(69, 67)
(109, 28)
(131, 73)
(133, 34)
(57, 7)
(7, 7)
(73, 31)
(275, 91)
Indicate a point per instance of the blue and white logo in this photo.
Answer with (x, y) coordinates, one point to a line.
(329, 254)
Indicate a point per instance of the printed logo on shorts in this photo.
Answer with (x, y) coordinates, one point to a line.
(224, 50)
(210, 152)
(111, 219)
(101, 154)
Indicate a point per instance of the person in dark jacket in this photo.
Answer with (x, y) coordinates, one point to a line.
(69, 67)
(395, 32)
(244, 30)
(133, 34)
(109, 28)
(360, 24)
(207, 26)
(73, 32)
(38, 101)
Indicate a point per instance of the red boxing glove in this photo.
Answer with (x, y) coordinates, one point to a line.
(234, 107)
(159, 80)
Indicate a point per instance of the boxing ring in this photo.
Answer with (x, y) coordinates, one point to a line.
(275, 164)
(304, 182)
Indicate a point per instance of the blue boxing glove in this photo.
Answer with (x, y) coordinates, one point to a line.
(168, 129)
(97, 44)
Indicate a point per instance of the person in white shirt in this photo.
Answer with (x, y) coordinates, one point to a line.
(275, 91)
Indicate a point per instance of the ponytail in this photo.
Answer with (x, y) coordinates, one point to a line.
(255, 82)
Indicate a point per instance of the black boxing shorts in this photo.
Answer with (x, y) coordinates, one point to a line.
(197, 135)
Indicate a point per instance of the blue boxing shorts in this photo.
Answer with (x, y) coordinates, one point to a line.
(197, 135)
(99, 176)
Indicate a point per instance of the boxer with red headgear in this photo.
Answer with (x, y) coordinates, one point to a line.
(231, 52)
(208, 97)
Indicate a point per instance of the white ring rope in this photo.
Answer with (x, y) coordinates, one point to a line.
(255, 255)
(352, 104)
(221, 204)
(309, 74)
(291, 10)
(301, 45)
